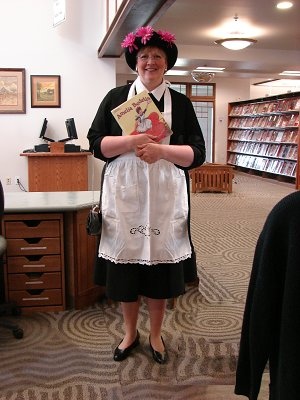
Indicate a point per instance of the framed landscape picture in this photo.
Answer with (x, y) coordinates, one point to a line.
(12, 91)
(45, 90)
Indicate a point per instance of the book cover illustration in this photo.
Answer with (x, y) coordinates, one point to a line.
(140, 115)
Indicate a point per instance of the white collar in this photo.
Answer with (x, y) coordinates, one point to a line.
(157, 92)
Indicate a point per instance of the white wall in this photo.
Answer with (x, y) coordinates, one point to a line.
(28, 40)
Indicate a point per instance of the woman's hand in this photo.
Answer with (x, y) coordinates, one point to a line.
(149, 152)
(182, 155)
(141, 138)
(112, 146)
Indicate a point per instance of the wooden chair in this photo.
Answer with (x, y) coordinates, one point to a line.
(212, 178)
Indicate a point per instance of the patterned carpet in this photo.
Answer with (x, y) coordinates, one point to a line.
(68, 355)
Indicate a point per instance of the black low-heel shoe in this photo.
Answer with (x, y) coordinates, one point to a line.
(160, 358)
(121, 354)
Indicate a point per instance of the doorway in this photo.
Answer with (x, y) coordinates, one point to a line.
(202, 97)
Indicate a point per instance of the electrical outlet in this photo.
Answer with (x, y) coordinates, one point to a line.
(8, 181)
(17, 180)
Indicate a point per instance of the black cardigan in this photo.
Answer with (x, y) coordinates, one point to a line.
(185, 126)
(271, 326)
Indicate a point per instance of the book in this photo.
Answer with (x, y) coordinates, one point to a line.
(294, 136)
(140, 115)
(297, 104)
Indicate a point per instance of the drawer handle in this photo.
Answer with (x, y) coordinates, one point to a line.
(34, 283)
(34, 248)
(36, 298)
(34, 266)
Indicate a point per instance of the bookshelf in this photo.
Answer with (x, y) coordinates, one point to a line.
(263, 136)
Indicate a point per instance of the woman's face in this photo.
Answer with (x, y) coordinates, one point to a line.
(151, 65)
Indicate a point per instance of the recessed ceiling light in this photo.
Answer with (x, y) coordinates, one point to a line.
(177, 72)
(210, 69)
(290, 73)
(284, 5)
(290, 83)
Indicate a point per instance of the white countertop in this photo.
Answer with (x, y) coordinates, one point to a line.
(49, 201)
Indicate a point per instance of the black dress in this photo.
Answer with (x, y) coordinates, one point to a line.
(125, 282)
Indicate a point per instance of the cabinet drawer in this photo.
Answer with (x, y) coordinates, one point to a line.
(33, 264)
(30, 298)
(32, 229)
(33, 246)
(33, 280)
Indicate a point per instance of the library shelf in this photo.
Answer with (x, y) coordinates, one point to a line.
(263, 136)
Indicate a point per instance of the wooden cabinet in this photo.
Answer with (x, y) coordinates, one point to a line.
(80, 252)
(50, 258)
(34, 264)
(52, 172)
(263, 136)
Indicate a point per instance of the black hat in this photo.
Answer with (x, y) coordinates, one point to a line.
(146, 36)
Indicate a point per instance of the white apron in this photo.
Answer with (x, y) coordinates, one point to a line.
(144, 207)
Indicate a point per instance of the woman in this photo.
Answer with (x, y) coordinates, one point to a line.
(145, 248)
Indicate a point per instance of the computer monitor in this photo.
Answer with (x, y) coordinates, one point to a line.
(71, 129)
(43, 131)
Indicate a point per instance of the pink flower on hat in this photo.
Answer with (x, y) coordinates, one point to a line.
(129, 42)
(145, 33)
(166, 36)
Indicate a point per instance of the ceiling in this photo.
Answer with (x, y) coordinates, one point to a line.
(198, 23)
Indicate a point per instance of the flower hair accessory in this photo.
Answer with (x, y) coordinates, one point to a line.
(145, 33)
(167, 37)
(129, 42)
(147, 36)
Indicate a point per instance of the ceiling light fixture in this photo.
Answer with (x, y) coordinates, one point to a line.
(202, 77)
(236, 41)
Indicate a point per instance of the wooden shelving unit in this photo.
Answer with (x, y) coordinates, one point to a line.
(263, 136)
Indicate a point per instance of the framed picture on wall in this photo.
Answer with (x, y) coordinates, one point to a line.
(12, 91)
(45, 90)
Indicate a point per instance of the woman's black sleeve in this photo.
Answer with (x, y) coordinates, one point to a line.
(104, 124)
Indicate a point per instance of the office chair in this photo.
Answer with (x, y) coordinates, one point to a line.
(6, 308)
